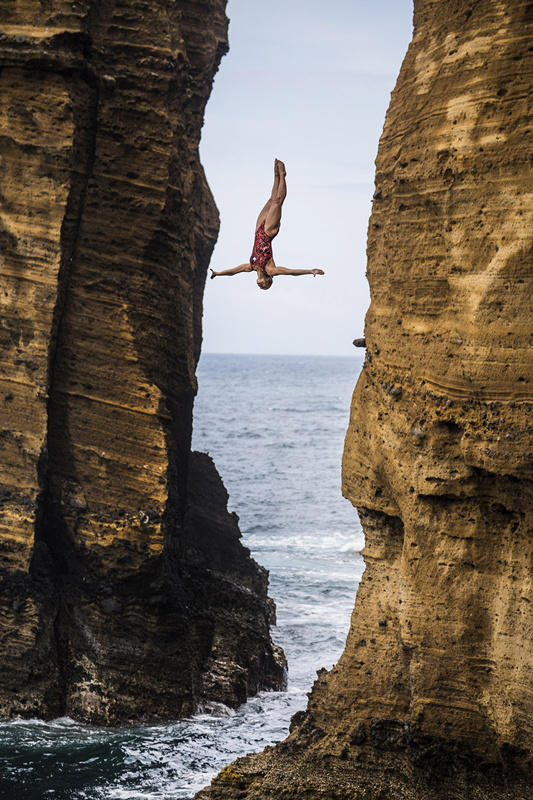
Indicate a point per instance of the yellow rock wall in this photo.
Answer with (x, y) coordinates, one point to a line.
(117, 580)
(432, 697)
(441, 433)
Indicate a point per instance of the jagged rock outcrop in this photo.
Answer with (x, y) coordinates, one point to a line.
(432, 697)
(125, 591)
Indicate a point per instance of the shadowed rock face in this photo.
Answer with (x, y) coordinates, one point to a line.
(125, 591)
(432, 695)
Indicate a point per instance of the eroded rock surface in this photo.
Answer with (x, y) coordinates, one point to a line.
(125, 591)
(432, 697)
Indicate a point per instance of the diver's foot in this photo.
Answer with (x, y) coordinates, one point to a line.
(280, 167)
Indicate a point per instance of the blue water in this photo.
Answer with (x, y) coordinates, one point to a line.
(275, 427)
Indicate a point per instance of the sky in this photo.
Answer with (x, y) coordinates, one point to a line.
(308, 82)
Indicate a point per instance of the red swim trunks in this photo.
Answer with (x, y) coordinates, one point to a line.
(262, 252)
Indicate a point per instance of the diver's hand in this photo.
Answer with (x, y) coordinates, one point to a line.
(213, 274)
(317, 272)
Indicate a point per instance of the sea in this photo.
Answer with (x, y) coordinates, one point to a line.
(275, 426)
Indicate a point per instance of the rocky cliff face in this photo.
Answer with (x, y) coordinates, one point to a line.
(125, 591)
(432, 696)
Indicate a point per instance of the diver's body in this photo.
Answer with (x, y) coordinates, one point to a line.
(266, 228)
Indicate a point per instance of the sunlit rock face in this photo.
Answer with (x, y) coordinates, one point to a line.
(432, 696)
(125, 591)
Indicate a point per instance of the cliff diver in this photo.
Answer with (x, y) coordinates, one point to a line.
(266, 228)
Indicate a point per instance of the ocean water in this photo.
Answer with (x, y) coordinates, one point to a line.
(275, 427)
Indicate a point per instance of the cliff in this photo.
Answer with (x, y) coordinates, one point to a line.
(126, 593)
(432, 695)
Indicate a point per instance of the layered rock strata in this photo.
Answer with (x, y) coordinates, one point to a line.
(125, 591)
(432, 697)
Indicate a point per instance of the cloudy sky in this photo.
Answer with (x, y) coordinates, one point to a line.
(308, 82)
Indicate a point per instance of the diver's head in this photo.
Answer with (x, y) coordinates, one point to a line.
(264, 281)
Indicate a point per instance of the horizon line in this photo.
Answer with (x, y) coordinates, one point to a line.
(295, 355)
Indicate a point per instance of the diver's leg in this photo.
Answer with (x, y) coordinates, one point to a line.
(273, 217)
(264, 211)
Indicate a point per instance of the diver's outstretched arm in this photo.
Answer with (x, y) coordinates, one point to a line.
(234, 271)
(282, 271)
